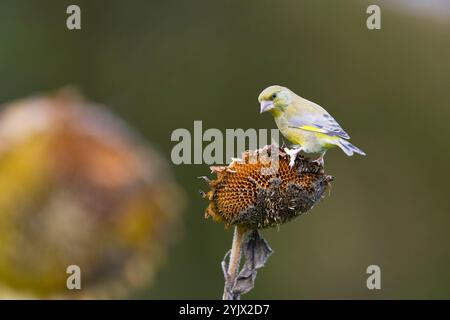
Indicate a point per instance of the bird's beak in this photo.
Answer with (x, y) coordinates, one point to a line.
(266, 105)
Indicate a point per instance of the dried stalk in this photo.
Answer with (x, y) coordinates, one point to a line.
(233, 267)
(256, 251)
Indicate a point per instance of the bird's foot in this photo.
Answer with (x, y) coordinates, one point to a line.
(292, 154)
(320, 161)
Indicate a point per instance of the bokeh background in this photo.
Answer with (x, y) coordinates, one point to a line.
(162, 65)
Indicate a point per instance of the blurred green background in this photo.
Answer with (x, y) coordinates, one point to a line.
(161, 65)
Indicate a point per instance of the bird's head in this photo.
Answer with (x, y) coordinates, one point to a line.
(275, 99)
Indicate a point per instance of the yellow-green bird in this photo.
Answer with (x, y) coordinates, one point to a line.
(304, 123)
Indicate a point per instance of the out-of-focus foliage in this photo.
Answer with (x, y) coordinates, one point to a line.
(162, 65)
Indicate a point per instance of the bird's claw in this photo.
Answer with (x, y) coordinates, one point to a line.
(292, 154)
(292, 161)
(319, 161)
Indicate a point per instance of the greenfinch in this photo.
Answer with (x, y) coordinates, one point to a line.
(305, 124)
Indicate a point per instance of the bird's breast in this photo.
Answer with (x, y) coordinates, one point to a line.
(295, 136)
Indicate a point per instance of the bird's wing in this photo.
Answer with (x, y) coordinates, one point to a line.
(316, 119)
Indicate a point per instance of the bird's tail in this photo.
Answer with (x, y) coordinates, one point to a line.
(348, 148)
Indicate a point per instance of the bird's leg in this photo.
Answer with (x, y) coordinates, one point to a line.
(320, 159)
(292, 154)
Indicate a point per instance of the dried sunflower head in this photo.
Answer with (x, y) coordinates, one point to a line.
(254, 193)
(79, 187)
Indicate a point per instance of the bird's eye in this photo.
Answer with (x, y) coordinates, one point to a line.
(274, 96)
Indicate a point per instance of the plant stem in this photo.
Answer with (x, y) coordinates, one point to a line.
(235, 259)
